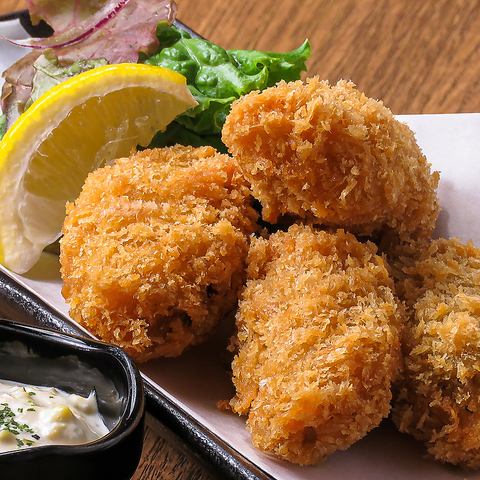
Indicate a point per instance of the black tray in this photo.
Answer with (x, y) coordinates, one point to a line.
(19, 304)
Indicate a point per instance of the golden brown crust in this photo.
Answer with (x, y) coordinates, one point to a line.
(154, 249)
(331, 154)
(318, 331)
(438, 400)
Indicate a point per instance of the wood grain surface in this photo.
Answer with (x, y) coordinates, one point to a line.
(419, 56)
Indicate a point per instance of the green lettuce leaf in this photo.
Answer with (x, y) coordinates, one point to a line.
(280, 66)
(216, 77)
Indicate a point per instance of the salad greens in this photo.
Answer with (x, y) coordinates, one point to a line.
(216, 77)
(49, 72)
(115, 30)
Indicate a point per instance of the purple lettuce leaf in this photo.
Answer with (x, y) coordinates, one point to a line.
(114, 38)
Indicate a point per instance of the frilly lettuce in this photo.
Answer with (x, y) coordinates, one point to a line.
(75, 21)
(216, 77)
(117, 31)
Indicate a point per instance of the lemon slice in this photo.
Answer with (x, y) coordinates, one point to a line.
(72, 129)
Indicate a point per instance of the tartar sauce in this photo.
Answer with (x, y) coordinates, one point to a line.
(33, 416)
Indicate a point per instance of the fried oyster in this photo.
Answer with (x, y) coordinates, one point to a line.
(438, 399)
(318, 343)
(153, 250)
(331, 155)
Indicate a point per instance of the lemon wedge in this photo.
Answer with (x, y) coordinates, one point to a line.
(72, 129)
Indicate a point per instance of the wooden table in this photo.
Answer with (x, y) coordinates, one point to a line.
(419, 56)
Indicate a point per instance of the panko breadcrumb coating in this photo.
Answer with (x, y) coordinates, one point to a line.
(439, 393)
(318, 338)
(153, 250)
(332, 155)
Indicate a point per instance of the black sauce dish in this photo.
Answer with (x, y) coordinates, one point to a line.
(41, 357)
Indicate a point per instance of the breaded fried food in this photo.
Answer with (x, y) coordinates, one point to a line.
(334, 156)
(318, 343)
(438, 400)
(153, 250)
